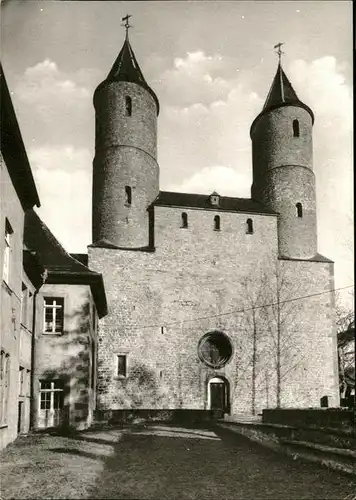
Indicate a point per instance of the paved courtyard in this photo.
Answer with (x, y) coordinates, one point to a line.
(161, 462)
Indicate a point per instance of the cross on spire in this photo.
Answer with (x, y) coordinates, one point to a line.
(279, 50)
(127, 25)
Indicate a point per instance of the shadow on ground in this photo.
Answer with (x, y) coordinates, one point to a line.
(166, 462)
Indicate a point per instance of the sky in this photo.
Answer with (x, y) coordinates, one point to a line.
(211, 65)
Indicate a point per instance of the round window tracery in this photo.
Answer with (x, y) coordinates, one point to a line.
(215, 349)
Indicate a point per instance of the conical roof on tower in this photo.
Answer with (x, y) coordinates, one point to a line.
(281, 94)
(127, 69)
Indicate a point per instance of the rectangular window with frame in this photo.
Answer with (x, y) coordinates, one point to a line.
(22, 376)
(24, 305)
(121, 365)
(93, 317)
(28, 383)
(93, 364)
(4, 385)
(51, 394)
(7, 252)
(30, 311)
(53, 314)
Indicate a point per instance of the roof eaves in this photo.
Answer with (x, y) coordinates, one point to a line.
(316, 258)
(218, 209)
(91, 278)
(14, 151)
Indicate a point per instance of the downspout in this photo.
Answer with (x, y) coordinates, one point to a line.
(33, 408)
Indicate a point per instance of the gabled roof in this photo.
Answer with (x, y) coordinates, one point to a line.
(127, 69)
(13, 150)
(60, 265)
(281, 94)
(202, 201)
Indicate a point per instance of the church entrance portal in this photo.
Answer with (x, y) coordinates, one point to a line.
(219, 394)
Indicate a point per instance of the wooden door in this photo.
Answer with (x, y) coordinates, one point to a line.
(217, 396)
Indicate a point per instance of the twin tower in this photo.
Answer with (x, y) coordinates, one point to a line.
(126, 172)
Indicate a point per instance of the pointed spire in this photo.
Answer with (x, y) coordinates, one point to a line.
(126, 69)
(281, 91)
(281, 94)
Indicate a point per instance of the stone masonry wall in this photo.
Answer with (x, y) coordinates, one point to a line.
(309, 333)
(154, 301)
(273, 143)
(283, 176)
(285, 187)
(125, 155)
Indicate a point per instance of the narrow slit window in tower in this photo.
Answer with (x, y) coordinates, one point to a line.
(128, 106)
(184, 220)
(299, 210)
(128, 195)
(249, 226)
(217, 223)
(295, 128)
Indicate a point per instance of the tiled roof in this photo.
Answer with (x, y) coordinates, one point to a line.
(281, 91)
(82, 257)
(202, 201)
(39, 238)
(280, 94)
(59, 264)
(127, 69)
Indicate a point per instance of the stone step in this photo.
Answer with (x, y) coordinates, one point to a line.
(336, 458)
(325, 437)
(280, 439)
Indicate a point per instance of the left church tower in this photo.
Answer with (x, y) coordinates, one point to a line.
(125, 168)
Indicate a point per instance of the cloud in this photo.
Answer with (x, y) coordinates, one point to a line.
(63, 177)
(44, 81)
(54, 106)
(207, 109)
(197, 78)
(323, 87)
(219, 178)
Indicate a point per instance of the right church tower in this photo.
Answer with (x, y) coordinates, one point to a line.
(283, 177)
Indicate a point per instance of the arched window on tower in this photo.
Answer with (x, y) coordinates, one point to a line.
(128, 195)
(295, 128)
(184, 220)
(299, 208)
(249, 226)
(217, 223)
(128, 106)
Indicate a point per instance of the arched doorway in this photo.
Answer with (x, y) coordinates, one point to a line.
(219, 394)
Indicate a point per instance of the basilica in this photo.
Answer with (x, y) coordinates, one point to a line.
(214, 302)
(185, 305)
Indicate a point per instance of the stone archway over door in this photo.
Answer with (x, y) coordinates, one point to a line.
(219, 394)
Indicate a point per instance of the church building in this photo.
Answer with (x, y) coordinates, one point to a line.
(214, 302)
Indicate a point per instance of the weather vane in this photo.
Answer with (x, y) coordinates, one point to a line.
(127, 25)
(279, 50)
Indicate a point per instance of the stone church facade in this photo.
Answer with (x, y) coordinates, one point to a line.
(215, 303)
